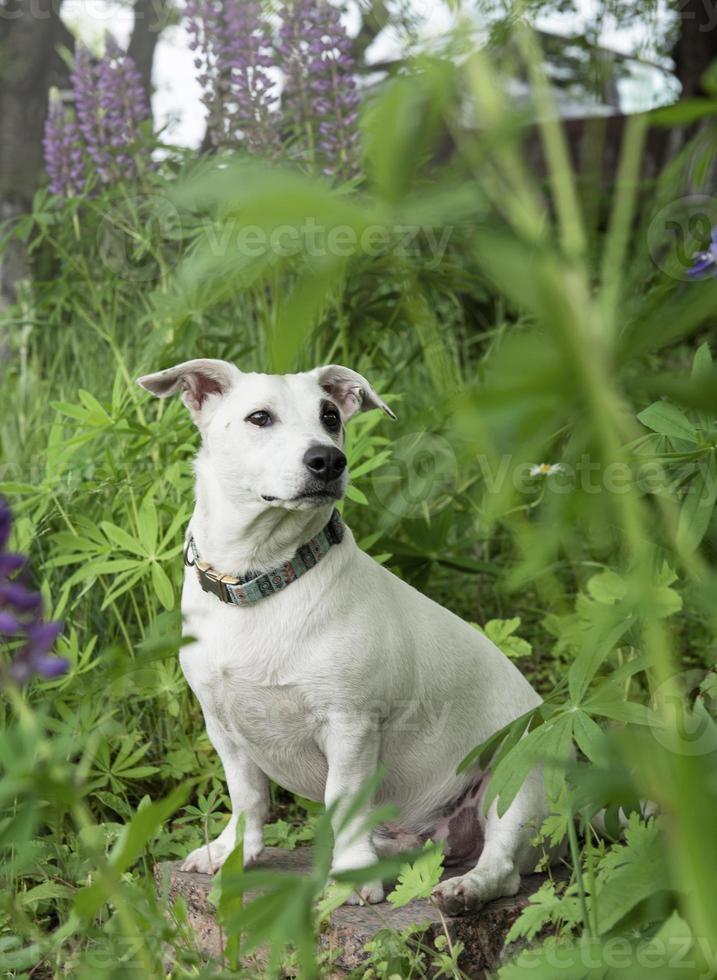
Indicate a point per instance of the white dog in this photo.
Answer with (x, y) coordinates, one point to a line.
(313, 664)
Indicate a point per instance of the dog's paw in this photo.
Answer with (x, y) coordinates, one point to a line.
(466, 893)
(253, 850)
(369, 894)
(454, 896)
(208, 858)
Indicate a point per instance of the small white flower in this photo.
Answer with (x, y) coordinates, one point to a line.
(546, 469)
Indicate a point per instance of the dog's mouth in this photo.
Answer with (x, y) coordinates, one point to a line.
(317, 495)
(311, 494)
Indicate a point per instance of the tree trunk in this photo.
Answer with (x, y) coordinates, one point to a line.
(150, 19)
(696, 45)
(30, 31)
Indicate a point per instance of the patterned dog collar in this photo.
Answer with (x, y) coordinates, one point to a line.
(248, 590)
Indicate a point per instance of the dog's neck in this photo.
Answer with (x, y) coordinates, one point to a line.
(238, 537)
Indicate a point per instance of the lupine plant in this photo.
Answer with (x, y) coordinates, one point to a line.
(64, 156)
(232, 46)
(101, 133)
(21, 622)
(320, 89)
(316, 117)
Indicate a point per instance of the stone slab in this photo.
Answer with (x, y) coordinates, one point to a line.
(352, 926)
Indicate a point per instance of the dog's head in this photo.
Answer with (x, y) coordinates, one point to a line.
(272, 437)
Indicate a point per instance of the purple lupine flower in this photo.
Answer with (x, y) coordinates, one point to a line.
(90, 115)
(111, 103)
(64, 159)
(296, 96)
(232, 48)
(122, 99)
(244, 56)
(705, 263)
(205, 26)
(35, 657)
(21, 617)
(320, 84)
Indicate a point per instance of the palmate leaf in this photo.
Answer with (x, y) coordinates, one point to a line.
(502, 633)
(494, 747)
(417, 880)
(598, 645)
(548, 745)
(630, 874)
(119, 537)
(545, 906)
(588, 735)
(668, 420)
(608, 701)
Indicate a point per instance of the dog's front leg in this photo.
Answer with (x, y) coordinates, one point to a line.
(352, 749)
(249, 792)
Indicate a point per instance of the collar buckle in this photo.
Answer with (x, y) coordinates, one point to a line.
(211, 581)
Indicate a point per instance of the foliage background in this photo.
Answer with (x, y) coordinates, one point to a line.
(558, 327)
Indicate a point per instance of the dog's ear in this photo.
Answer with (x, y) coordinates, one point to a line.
(350, 390)
(202, 382)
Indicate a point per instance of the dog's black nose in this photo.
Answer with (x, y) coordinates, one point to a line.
(326, 463)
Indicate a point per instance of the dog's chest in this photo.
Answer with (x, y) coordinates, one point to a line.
(257, 707)
(243, 671)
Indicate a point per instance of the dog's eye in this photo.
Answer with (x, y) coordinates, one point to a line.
(331, 419)
(259, 418)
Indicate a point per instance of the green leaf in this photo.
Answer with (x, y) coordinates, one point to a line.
(399, 126)
(162, 586)
(91, 403)
(549, 744)
(598, 644)
(43, 892)
(502, 633)
(607, 587)
(668, 420)
(544, 907)
(698, 505)
(373, 462)
(702, 361)
(93, 569)
(19, 959)
(708, 80)
(122, 539)
(608, 701)
(589, 736)
(358, 496)
(73, 411)
(147, 524)
(417, 880)
(631, 874)
(492, 749)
